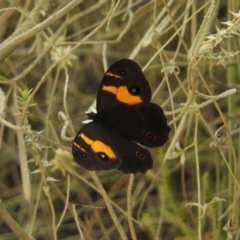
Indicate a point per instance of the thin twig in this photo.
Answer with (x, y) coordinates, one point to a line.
(66, 203)
(109, 205)
(129, 207)
(9, 46)
(16, 228)
(77, 222)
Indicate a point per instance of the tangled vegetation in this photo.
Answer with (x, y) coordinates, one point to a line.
(53, 56)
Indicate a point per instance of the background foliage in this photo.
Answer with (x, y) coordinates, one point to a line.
(53, 55)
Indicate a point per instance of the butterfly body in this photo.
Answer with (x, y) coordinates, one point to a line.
(125, 118)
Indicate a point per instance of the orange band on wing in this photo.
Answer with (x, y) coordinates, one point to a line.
(78, 146)
(112, 75)
(98, 146)
(123, 95)
(110, 89)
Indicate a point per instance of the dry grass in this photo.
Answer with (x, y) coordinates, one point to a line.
(53, 58)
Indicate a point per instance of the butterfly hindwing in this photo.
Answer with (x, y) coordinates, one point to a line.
(134, 157)
(98, 148)
(146, 125)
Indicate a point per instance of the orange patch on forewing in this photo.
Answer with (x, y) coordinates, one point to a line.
(98, 146)
(122, 95)
(110, 89)
(112, 75)
(78, 146)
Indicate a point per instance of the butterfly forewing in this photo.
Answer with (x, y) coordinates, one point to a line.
(98, 148)
(123, 87)
(92, 149)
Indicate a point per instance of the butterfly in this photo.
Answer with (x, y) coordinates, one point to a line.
(125, 120)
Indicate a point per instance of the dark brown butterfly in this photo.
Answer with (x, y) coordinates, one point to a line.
(125, 119)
